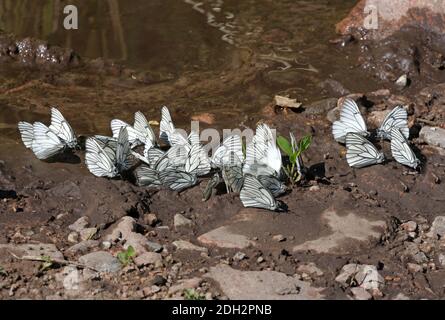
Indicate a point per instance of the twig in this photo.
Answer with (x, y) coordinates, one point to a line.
(431, 123)
(58, 261)
(405, 187)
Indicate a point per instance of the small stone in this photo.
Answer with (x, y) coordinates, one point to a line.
(185, 245)
(414, 268)
(154, 246)
(106, 245)
(148, 258)
(147, 291)
(402, 81)
(441, 259)
(151, 219)
(361, 294)
(239, 256)
(409, 226)
(83, 247)
(87, 233)
(101, 261)
(433, 136)
(437, 228)
(401, 296)
(314, 188)
(260, 260)
(366, 276)
(182, 285)
(158, 280)
(310, 269)
(73, 237)
(279, 238)
(79, 224)
(179, 221)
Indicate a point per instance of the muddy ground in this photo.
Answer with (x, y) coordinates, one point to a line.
(380, 216)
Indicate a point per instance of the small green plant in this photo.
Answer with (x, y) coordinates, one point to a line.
(47, 263)
(294, 151)
(192, 294)
(126, 256)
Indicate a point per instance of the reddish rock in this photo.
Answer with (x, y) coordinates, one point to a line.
(392, 16)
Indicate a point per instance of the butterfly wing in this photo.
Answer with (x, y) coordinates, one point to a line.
(152, 155)
(166, 126)
(254, 194)
(27, 133)
(360, 152)
(233, 177)
(97, 160)
(273, 184)
(213, 182)
(62, 128)
(146, 176)
(197, 161)
(230, 152)
(401, 150)
(178, 180)
(351, 120)
(123, 154)
(45, 143)
(396, 119)
(144, 132)
(116, 126)
(108, 144)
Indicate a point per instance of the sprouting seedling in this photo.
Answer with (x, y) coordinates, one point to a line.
(47, 263)
(192, 294)
(126, 256)
(294, 151)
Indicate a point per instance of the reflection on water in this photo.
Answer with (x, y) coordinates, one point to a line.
(161, 35)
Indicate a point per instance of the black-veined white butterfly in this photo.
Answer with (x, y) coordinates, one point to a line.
(45, 143)
(401, 150)
(177, 180)
(262, 151)
(361, 152)
(168, 133)
(62, 129)
(212, 184)
(233, 177)
(254, 194)
(230, 152)
(197, 161)
(100, 159)
(174, 158)
(144, 132)
(396, 119)
(117, 125)
(273, 184)
(351, 120)
(146, 176)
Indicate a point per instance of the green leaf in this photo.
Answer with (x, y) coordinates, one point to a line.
(293, 158)
(304, 144)
(131, 252)
(284, 145)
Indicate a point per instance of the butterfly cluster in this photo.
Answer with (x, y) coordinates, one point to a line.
(351, 130)
(254, 171)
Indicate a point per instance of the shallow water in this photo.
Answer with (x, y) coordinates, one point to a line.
(282, 47)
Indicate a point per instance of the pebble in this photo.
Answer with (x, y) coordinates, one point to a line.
(402, 81)
(154, 246)
(409, 226)
(185, 245)
(310, 269)
(182, 285)
(106, 245)
(151, 219)
(366, 276)
(148, 258)
(79, 224)
(314, 188)
(260, 260)
(73, 237)
(414, 268)
(437, 228)
(433, 136)
(179, 221)
(158, 280)
(101, 261)
(87, 233)
(441, 259)
(279, 238)
(83, 247)
(361, 294)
